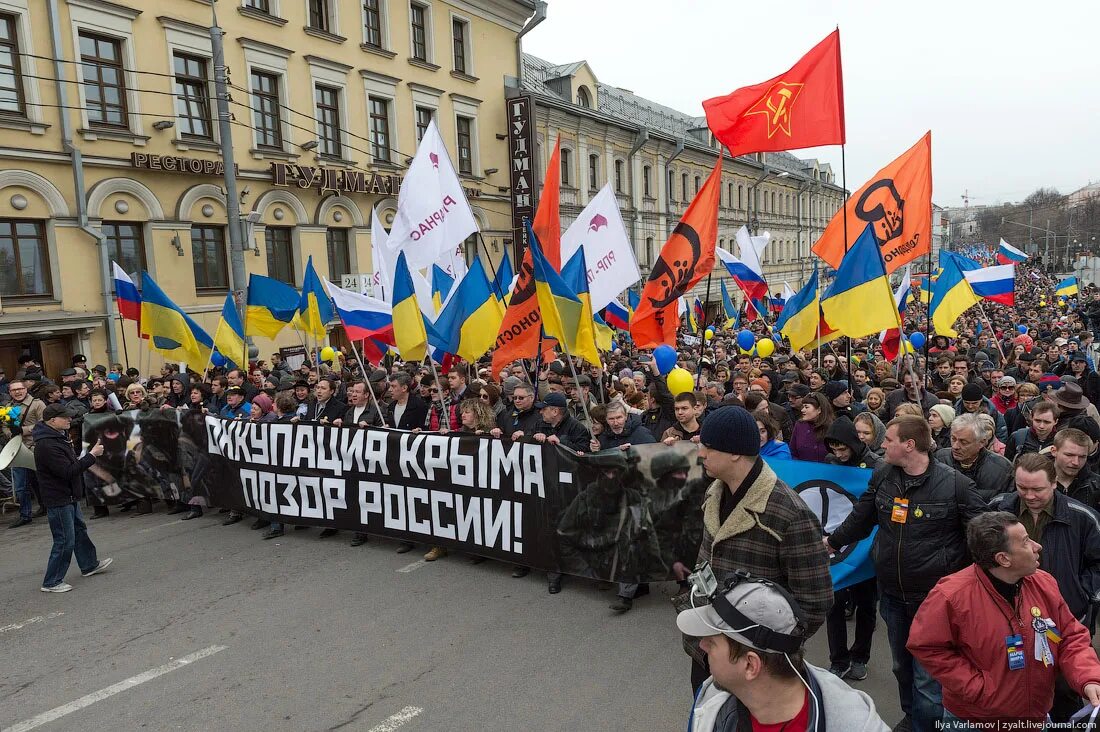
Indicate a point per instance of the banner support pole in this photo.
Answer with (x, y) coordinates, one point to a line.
(844, 183)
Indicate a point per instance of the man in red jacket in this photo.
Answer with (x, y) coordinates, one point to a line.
(996, 634)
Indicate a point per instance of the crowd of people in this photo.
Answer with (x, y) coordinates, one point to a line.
(985, 493)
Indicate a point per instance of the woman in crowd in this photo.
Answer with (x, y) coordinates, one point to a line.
(870, 430)
(177, 392)
(940, 418)
(955, 387)
(994, 445)
(475, 417)
(874, 400)
(262, 409)
(770, 447)
(1016, 417)
(808, 438)
(198, 397)
(490, 396)
(135, 397)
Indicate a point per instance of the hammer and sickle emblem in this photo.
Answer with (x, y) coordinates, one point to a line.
(776, 105)
(779, 111)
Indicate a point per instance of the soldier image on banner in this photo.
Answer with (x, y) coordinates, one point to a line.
(141, 457)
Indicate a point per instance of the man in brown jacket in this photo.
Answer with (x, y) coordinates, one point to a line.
(23, 479)
(755, 522)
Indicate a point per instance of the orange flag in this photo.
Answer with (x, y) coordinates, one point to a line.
(803, 107)
(518, 336)
(686, 258)
(897, 202)
(547, 222)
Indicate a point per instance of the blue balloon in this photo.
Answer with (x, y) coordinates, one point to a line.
(917, 339)
(217, 359)
(665, 356)
(1022, 328)
(746, 340)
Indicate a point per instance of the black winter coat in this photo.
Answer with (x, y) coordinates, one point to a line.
(1085, 488)
(911, 557)
(60, 471)
(991, 473)
(571, 432)
(1023, 441)
(416, 411)
(634, 433)
(1071, 548)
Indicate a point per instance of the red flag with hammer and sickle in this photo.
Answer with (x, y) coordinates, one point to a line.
(803, 107)
(686, 258)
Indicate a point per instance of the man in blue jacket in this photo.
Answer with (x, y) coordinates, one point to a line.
(61, 482)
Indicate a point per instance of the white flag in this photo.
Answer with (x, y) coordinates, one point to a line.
(752, 247)
(384, 262)
(433, 214)
(608, 254)
(453, 262)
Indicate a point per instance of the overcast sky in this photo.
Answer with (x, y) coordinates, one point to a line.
(1010, 90)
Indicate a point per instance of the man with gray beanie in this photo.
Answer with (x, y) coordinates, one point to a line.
(752, 521)
(753, 636)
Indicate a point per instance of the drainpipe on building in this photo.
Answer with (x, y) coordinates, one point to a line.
(534, 20)
(77, 162)
(636, 220)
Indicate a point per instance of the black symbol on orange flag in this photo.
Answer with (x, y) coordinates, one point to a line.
(525, 286)
(776, 105)
(883, 207)
(676, 265)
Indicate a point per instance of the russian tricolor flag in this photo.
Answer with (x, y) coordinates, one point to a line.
(1008, 254)
(994, 283)
(126, 294)
(750, 280)
(616, 315)
(364, 317)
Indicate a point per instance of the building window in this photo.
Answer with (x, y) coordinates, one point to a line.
(280, 254)
(740, 196)
(593, 172)
(671, 187)
(192, 97)
(583, 98)
(24, 259)
(11, 81)
(459, 31)
(774, 209)
(424, 117)
(266, 110)
(380, 129)
(464, 126)
(684, 187)
(328, 121)
(618, 176)
(372, 23)
(339, 257)
(566, 167)
(125, 245)
(208, 254)
(648, 251)
(647, 186)
(104, 85)
(697, 182)
(418, 18)
(264, 6)
(319, 18)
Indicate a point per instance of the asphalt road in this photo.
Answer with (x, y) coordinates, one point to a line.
(197, 626)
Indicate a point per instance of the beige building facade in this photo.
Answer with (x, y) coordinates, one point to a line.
(109, 141)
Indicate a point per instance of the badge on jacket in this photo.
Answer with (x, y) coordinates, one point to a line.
(900, 513)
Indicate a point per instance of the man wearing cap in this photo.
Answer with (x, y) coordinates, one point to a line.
(559, 426)
(973, 401)
(61, 481)
(1038, 435)
(796, 392)
(579, 391)
(756, 682)
(753, 521)
(235, 405)
(79, 361)
(840, 398)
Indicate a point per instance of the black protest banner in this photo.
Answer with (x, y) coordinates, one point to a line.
(619, 515)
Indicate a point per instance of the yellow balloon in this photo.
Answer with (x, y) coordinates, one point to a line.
(328, 353)
(743, 352)
(679, 380)
(765, 347)
(707, 335)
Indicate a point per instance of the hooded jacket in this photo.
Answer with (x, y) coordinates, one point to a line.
(1001, 427)
(991, 473)
(844, 432)
(59, 470)
(842, 707)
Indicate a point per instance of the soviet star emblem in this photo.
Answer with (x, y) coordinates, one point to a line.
(776, 105)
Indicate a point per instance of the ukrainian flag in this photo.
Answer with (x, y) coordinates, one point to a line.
(564, 315)
(441, 286)
(502, 283)
(728, 306)
(860, 301)
(800, 317)
(951, 293)
(575, 274)
(1066, 287)
(170, 331)
(271, 306)
(314, 307)
(469, 323)
(229, 337)
(408, 323)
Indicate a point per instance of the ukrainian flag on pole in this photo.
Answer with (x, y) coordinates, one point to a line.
(469, 322)
(1066, 287)
(229, 337)
(271, 306)
(170, 331)
(860, 301)
(314, 308)
(801, 315)
(409, 334)
(564, 315)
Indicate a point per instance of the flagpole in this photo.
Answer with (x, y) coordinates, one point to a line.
(844, 183)
(444, 422)
(992, 332)
(703, 329)
(366, 380)
(125, 348)
(489, 259)
(584, 402)
(928, 317)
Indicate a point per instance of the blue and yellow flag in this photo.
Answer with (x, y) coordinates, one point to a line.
(503, 281)
(441, 286)
(860, 301)
(564, 315)
(1066, 287)
(468, 325)
(728, 307)
(409, 334)
(575, 274)
(170, 331)
(951, 293)
(801, 315)
(314, 307)
(229, 337)
(271, 306)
